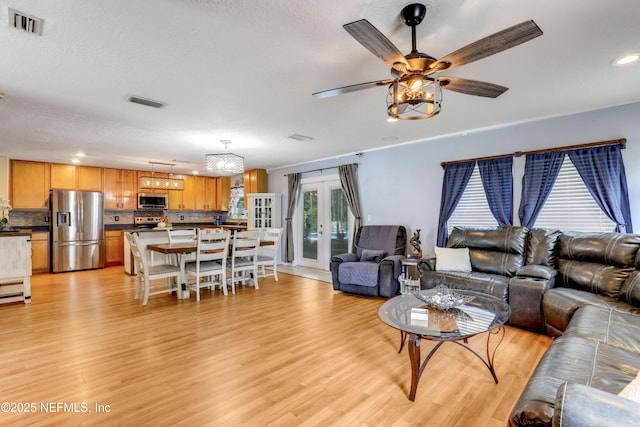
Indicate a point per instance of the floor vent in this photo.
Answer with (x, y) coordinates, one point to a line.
(25, 22)
(147, 102)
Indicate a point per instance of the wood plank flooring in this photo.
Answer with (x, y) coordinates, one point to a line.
(293, 352)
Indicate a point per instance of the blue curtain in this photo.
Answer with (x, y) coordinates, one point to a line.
(540, 173)
(497, 180)
(602, 170)
(456, 178)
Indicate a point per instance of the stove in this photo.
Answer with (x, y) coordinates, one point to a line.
(147, 218)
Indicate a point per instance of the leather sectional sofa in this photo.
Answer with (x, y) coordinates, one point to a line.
(583, 288)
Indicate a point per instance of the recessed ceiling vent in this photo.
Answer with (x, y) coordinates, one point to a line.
(25, 22)
(299, 137)
(147, 102)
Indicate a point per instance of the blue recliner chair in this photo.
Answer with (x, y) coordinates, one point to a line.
(374, 269)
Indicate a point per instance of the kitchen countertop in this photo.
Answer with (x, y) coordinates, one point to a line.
(183, 226)
(15, 233)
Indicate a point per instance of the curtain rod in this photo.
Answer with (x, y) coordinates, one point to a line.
(322, 169)
(622, 142)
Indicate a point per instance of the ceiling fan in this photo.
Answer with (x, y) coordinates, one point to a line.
(415, 89)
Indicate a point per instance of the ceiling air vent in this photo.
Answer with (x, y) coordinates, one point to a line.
(25, 22)
(299, 137)
(147, 102)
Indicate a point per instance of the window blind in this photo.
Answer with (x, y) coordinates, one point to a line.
(473, 208)
(571, 207)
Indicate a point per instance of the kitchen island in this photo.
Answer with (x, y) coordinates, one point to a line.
(15, 266)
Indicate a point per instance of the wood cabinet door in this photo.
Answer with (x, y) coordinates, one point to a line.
(89, 178)
(114, 247)
(129, 193)
(63, 177)
(189, 193)
(223, 193)
(200, 192)
(40, 252)
(29, 185)
(111, 189)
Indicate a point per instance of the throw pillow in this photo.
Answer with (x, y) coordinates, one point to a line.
(372, 255)
(452, 259)
(632, 390)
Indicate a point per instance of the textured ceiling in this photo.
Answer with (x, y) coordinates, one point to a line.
(244, 70)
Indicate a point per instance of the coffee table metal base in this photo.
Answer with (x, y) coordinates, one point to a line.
(417, 367)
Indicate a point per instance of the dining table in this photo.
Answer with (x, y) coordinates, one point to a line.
(182, 249)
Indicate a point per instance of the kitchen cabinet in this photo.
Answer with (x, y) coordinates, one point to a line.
(15, 267)
(255, 181)
(30, 183)
(264, 210)
(40, 251)
(120, 189)
(114, 247)
(72, 177)
(184, 199)
(205, 192)
(223, 193)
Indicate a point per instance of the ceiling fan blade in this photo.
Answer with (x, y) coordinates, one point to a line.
(351, 88)
(472, 87)
(490, 45)
(376, 42)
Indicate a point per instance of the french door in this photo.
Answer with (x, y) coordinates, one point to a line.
(324, 223)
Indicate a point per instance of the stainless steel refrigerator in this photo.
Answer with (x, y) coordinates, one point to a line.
(77, 231)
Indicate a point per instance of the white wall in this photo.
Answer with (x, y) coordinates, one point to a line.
(402, 185)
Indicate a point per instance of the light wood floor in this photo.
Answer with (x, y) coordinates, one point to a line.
(293, 352)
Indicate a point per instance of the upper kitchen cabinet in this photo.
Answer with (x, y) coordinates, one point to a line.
(120, 189)
(184, 199)
(205, 192)
(223, 193)
(72, 177)
(255, 181)
(30, 183)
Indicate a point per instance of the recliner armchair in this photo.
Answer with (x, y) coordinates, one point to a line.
(374, 269)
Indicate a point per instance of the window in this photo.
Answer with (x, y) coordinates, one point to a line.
(570, 206)
(473, 209)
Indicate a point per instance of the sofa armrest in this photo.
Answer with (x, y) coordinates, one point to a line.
(578, 405)
(390, 269)
(537, 271)
(525, 300)
(426, 264)
(334, 265)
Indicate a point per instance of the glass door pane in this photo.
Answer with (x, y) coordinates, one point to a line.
(310, 232)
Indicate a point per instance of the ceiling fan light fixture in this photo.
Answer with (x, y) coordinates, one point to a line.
(414, 97)
(626, 59)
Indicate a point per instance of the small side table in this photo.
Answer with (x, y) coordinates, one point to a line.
(406, 263)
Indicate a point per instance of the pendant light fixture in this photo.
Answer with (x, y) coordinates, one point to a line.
(224, 163)
(173, 182)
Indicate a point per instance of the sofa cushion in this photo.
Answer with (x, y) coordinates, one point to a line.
(630, 292)
(576, 360)
(537, 271)
(592, 276)
(452, 259)
(542, 246)
(605, 248)
(390, 238)
(610, 327)
(373, 255)
(492, 284)
(495, 251)
(362, 273)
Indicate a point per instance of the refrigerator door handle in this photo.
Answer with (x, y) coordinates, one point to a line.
(76, 243)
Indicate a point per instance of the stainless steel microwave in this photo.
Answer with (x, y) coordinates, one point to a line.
(153, 201)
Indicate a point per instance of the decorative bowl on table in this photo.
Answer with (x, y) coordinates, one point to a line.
(442, 298)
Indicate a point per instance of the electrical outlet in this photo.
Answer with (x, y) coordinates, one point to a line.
(181, 217)
(116, 218)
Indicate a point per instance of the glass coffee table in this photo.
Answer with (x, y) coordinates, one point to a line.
(415, 320)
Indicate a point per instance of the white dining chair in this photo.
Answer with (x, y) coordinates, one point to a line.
(268, 254)
(147, 273)
(242, 264)
(183, 236)
(210, 263)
